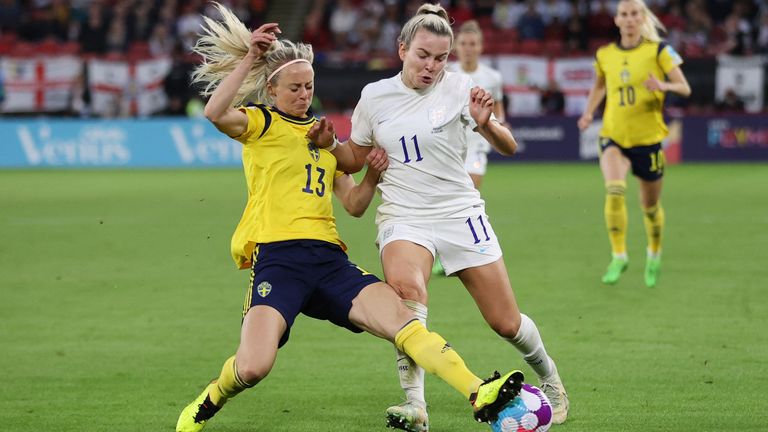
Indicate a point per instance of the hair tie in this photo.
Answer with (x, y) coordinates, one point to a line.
(285, 65)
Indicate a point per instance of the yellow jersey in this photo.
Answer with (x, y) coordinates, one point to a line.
(290, 184)
(633, 114)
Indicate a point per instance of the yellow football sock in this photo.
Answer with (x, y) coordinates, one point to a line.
(616, 215)
(228, 385)
(430, 351)
(654, 225)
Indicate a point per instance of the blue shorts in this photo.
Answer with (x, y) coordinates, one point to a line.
(312, 277)
(647, 160)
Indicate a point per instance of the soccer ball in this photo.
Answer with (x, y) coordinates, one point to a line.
(529, 412)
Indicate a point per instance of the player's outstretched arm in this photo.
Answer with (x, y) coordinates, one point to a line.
(350, 157)
(596, 95)
(219, 109)
(481, 105)
(357, 197)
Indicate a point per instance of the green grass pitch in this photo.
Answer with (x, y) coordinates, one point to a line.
(119, 301)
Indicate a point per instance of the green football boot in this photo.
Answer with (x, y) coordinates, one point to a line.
(196, 414)
(614, 270)
(652, 270)
(494, 393)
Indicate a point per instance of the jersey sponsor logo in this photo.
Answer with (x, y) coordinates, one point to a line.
(313, 151)
(446, 347)
(264, 288)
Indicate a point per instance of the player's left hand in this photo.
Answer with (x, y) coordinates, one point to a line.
(480, 106)
(653, 83)
(321, 133)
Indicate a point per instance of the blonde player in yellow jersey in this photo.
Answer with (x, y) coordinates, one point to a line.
(287, 234)
(633, 75)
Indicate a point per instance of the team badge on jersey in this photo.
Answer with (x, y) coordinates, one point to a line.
(313, 151)
(624, 76)
(437, 116)
(264, 288)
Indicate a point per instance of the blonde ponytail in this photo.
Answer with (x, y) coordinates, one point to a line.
(224, 45)
(430, 17)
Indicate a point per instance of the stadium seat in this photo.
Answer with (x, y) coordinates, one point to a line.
(531, 47)
(553, 48)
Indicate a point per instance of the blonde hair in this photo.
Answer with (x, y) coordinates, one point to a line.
(430, 17)
(224, 45)
(470, 26)
(651, 26)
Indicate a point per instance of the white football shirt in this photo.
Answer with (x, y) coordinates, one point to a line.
(490, 80)
(424, 135)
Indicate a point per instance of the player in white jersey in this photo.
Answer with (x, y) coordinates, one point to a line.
(430, 207)
(469, 46)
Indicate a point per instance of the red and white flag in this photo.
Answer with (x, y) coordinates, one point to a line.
(128, 88)
(39, 84)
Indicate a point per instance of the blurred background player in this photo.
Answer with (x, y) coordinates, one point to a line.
(633, 76)
(287, 234)
(469, 47)
(429, 204)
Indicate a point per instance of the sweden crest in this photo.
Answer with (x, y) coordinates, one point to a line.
(264, 288)
(313, 151)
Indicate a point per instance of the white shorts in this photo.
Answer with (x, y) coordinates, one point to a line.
(459, 243)
(477, 161)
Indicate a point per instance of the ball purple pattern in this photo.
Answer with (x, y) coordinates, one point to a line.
(529, 412)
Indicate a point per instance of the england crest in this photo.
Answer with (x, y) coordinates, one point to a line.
(437, 116)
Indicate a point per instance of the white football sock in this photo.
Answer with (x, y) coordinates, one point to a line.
(528, 342)
(411, 374)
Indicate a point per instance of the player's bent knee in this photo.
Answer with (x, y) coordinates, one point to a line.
(506, 327)
(252, 372)
(408, 290)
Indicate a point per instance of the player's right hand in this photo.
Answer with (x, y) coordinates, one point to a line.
(262, 38)
(377, 160)
(322, 133)
(584, 121)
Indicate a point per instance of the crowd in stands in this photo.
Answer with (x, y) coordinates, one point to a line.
(365, 31)
(697, 28)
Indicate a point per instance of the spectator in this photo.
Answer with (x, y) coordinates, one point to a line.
(507, 13)
(93, 32)
(189, 25)
(462, 12)
(552, 99)
(342, 24)
(140, 22)
(555, 9)
(315, 31)
(575, 36)
(600, 23)
(161, 42)
(531, 25)
(762, 34)
(10, 15)
(369, 25)
(117, 35)
(731, 102)
(390, 29)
